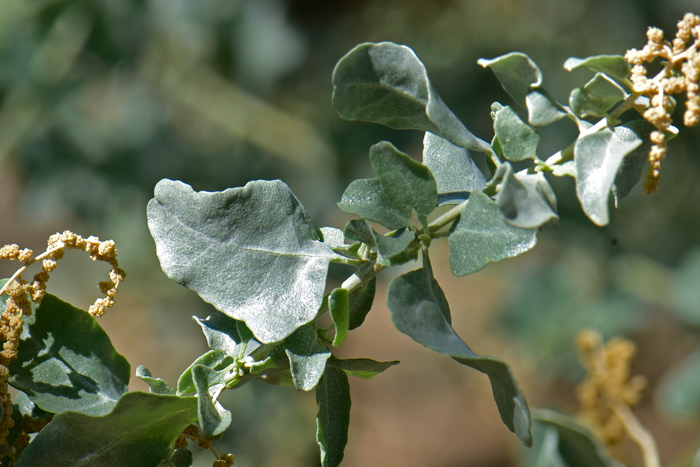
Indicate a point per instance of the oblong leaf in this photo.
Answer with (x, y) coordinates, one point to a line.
(361, 300)
(482, 235)
(307, 358)
(365, 198)
(139, 432)
(419, 309)
(361, 367)
(67, 362)
(251, 252)
(452, 166)
(339, 308)
(333, 418)
(517, 73)
(386, 83)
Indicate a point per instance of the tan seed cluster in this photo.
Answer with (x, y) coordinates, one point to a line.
(681, 73)
(608, 384)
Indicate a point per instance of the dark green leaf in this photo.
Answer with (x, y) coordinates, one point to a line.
(596, 97)
(419, 309)
(598, 157)
(577, 446)
(679, 394)
(359, 230)
(333, 419)
(483, 236)
(213, 417)
(307, 358)
(182, 457)
(245, 334)
(386, 83)
(221, 332)
(60, 372)
(365, 198)
(339, 307)
(361, 302)
(214, 359)
(542, 110)
(362, 367)
(157, 385)
(392, 250)
(615, 66)
(250, 251)
(518, 140)
(630, 170)
(139, 432)
(405, 182)
(452, 166)
(526, 200)
(517, 73)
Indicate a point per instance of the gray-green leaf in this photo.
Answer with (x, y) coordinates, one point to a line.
(339, 307)
(598, 157)
(221, 332)
(419, 309)
(526, 200)
(359, 230)
(307, 358)
(361, 301)
(157, 385)
(483, 236)
(542, 110)
(333, 419)
(213, 417)
(138, 432)
(214, 359)
(615, 66)
(365, 198)
(596, 97)
(392, 250)
(630, 171)
(386, 83)
(452, 166)
(518, 140)
(251, 252)
(517, 73)
(405, 182)
(361, 367)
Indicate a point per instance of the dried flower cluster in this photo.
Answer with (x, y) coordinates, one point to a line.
(19, 292)
(681, 73)
(192, 432)
(608, 386)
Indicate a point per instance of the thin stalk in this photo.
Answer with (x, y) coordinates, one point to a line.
(28, 263)
(639, 435)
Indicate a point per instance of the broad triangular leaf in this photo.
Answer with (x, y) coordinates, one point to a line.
(483, 236)
(615, 66)
(67, 362)
(339, 308)
(213, 417)
(526, 200)
(452, 166)
(139, 432)
(518, 140)
(157, 385)
(598, 157)
(542, 110)
(419, 309)
(517, 73)
(307, 358)
(361, 367)
(361, 301)
(251, 252)
(386, 83)
(405, 182)
(365, 198)
(333, 419)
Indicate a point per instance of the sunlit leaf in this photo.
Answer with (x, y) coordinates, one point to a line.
(214, 359)
(333, 419)
(542, 110)
(365, 198)
(214, 419)
(157, 385)
(526, 200)
(518, 140)
(452, 166)
(139, 432)
(483, 236)
(517, 73)
(615, 66)
(419, 309)
(307, 358)
(250, 251)
(596, 97)
(386, 83)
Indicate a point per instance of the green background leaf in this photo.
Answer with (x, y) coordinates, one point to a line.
(333, 419)
(365, 198)
(251, 252)
(679, 393)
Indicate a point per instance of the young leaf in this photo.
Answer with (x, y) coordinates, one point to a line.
(139, 432)
(365, 198)
(213, 417)
(452, 166)
(405, 182)
(391, 250)
(333, 419)
(596, 97)
(386, 83)
(362, 367)
(598, 158)
(214, 359)
(419, 309)
(307, 358)
(361, 303)
(359, 230)
(339, 307)
(221, 332)
(517, 73)
(615, 66)
(526, 200)
(577, 446)
(251, 252)
(60, 372)
(518, 140)
(157, 385)
(542, 110)
(630, 170)
(482, 236)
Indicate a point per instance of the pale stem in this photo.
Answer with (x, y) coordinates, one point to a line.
(28, 263)
(639, 435)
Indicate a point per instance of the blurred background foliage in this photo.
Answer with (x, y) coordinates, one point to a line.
(100, 99)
